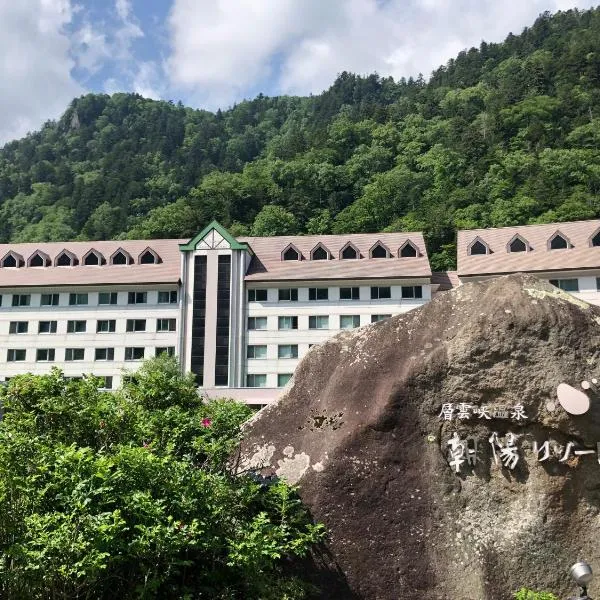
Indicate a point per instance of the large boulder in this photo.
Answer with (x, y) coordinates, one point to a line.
(363, 433)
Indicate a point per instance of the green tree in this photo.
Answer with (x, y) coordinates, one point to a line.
(274, 220)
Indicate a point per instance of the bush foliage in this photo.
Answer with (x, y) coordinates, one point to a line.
(128, 495)
(525, 594)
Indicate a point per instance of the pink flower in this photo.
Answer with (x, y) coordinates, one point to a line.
(206, 422)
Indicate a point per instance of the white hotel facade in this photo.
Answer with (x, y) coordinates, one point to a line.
(239, 313)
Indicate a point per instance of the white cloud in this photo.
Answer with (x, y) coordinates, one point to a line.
(220, 50)
(35, 66)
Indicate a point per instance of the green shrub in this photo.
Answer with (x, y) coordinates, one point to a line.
(525, 594)
(128, 495)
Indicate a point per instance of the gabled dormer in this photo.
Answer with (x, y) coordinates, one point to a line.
(379, 250)
(39, 259)
(349, 252)
(290, 252)
(320, 252)
(594, 240)
(65, 258)
(93, 258)
(408, 250)
(12, 260)
(518, 244)
(559, 241)
(149, 257)
(120, 257)
(478, 246)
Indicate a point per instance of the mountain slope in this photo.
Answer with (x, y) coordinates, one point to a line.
(505, 134)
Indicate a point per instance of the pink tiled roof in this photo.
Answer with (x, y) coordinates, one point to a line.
(446, 280)
(165, 272)
(539, 258)
(267, 265)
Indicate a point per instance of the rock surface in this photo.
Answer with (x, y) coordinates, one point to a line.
(359, 430)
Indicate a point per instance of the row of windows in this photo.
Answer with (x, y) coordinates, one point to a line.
(571, 284)
(82, 299)
(518, 243)
(314, 322)
(351, 252)
(102, 326)
(346, 293)
(66, 258)
(260, 379)
(76, 354)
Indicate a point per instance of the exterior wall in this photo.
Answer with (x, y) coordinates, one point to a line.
(90, 339)
(587, 282)
(334, 308)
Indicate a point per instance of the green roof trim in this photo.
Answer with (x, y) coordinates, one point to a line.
(191, 245)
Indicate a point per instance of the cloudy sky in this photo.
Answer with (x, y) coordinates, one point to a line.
(211, 53)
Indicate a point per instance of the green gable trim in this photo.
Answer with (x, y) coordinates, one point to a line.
(191, 245)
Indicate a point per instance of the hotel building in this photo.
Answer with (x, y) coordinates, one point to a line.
(238, 312)
(566, 254)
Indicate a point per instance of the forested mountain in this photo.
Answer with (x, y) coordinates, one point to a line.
(504, 134)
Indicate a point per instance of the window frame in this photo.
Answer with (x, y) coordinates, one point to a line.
(130, 350)
(170, 296)
(293, 351)
(73, 326)
(111, 296)
(293, 294)
(79, 299)
(253, 295)
(112, 325)
(135, 326)
(378, 292)
(52, 327)
(352, 290)
(253, 352)
(254, 320)
(417, 292)
(109, 354)
(71, 354)
(50, 355)
(281, 319)
(19, 297)
(315, 294)
(254, 376)
(54, 299)
(353, 317)
(15, 355)
(313, 320)
(135, 296)
(171, 326)
(15, 326)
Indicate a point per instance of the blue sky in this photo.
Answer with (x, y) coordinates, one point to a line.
(212, 53)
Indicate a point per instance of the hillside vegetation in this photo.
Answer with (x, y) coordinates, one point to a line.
(504, 134)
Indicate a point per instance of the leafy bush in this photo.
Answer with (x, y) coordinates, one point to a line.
(128, 495)
(525, 594)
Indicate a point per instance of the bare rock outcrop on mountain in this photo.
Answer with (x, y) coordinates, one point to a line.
(402, 438)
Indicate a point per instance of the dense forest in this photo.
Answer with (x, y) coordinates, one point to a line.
(505, 134)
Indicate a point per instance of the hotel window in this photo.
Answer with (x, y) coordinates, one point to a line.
(76, 326)
(107, 298)
(256, 352)
(137, 298)
(257, 295)
(106, 382)
(9, 261)
(568, 285)
(318, 293)
(106, 326)
(120, 258)
(283, 378)
(288, 295)
(134, 353)
(65, 259)
(44, 354)
(104, 354)
(349, 293)
(168, 350)
(49, 300)
(287, 351)
(598, 284)
(256, 381)
(47, 327)
(18, 327)
(165, 324)
(167, 297)
(136, 325)
(349, 321)
(288, 322)
(412, 291)
(149, 258)
(16, 354)
(377, 318)
(257, 323)
(318, 322)
(72, 354)
(21, 299)
(381, 293)
(92, 259)
(320, 253)
(78, 299)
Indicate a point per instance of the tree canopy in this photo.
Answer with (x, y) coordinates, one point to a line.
(503, 134)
